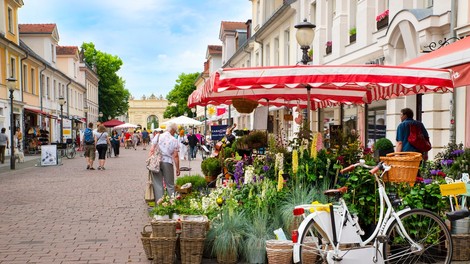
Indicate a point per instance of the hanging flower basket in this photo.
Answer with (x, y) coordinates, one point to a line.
(244, 106)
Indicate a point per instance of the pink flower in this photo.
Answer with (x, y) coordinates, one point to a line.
(329, 43)
(382, 16)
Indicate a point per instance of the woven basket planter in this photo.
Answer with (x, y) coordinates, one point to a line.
(244, 106)
(163, 228)
(163, 249)
(146, 242)
(191, 250)
(405, 166)
(461, 247)
(194, 226)
(279, 251)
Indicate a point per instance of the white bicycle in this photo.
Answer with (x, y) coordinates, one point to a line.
(406, 236)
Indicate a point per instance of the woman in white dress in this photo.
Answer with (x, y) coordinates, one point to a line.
(183, 141)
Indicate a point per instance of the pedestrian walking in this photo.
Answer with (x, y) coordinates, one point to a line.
(135, 139)
(3, 144)
(183, 145)
(102, 142)
(403, 132)
(193, 143)
(115, 143)
(169, 147)
(145, 138)
(90, 149)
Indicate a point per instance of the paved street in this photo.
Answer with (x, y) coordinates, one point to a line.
(67, 214)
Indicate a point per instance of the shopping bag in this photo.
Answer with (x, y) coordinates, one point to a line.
(149, 194)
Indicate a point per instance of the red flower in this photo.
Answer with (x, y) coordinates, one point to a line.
(381, 16)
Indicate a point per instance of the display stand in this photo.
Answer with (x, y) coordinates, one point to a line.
(49, 155)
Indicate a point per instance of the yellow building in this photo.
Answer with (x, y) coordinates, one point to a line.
(147, 112)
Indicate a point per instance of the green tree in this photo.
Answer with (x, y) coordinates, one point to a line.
(113, 97)
(178, 97)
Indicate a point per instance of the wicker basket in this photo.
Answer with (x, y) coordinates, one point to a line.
(309, 253)
(191, 250)
(194, 226)
(163, 249)
(405, 166)
(461, 247)
(243, 105)
(146, 242)
(279, 251)
(230, 258)
(163, 228)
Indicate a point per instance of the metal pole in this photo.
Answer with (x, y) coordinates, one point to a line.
(12, 134)
(61, 124)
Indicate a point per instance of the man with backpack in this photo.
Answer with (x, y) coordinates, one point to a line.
(412, 136)
(89, 146)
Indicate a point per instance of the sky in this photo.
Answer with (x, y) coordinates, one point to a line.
(157, 40)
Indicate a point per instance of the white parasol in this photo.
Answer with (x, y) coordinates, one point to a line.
(184, 121)
(125, 126)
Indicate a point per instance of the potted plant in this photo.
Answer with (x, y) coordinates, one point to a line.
(257, 139)
(329, 45)
(352, 35)
(382, 20)
(197, 181)
(226, 235)
(382, 147)
(258, 231)
(164, 208)
(211, 168)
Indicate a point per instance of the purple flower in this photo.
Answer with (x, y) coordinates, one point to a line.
(427, 181)
(265, 168)
(447, 162)
(435, 172)
(457, 152)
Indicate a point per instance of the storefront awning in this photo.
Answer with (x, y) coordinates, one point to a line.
(455, 56)
(39, 112)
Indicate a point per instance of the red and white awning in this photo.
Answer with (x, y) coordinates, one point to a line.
(329, 85)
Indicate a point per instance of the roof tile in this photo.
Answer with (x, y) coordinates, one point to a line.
(37, 28)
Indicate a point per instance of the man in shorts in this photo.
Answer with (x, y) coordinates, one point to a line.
(90, 148)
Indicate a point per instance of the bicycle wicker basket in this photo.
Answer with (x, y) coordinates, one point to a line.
(405, 166)
(243, 105)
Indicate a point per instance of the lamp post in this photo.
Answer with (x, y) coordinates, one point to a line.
(61, 103)
(305, 34)
(100, 116)
(11, 82)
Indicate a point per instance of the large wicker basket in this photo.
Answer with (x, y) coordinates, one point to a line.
(163, 249)
(194, 226)
(309, 252)
(405, 166)
(461, 247)
(243, 105)
(163, 228)
(146, 242)
(191, 250)
(279, 251)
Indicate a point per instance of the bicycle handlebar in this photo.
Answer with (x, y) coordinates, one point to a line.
(362, 163)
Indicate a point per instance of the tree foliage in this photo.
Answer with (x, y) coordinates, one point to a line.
(178, 97)
(113, 96)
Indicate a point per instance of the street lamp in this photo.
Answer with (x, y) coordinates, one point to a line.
(11, 83)
(305, 34)
(61, 103)
(100, 115)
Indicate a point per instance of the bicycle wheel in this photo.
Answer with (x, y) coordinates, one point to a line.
(425, 228)
(311, 248)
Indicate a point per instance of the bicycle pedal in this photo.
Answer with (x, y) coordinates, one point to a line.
(382, 238)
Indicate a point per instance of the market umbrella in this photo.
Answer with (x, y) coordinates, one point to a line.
(125, 126)
(112, 123)
(183, 120)
(320, 85)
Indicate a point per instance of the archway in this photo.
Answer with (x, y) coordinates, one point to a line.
(152, 122)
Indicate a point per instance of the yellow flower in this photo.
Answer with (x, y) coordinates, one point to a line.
(295, 161)
(313, 147)
(280, 181)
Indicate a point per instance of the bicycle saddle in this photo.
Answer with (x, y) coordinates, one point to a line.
(335, 192)
(456, 215)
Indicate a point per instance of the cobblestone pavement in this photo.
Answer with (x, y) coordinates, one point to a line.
(67, 214)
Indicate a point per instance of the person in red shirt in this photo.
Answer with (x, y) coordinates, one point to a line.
(127, 139)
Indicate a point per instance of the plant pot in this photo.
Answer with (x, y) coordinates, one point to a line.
(384, 152)
(210, 179)
(352, 38)
(329, 49)
(382, 23)
(161, 217)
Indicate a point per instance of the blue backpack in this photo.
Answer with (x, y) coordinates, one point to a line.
(88, 135)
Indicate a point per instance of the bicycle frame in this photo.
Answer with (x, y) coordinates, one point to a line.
(348, 230)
